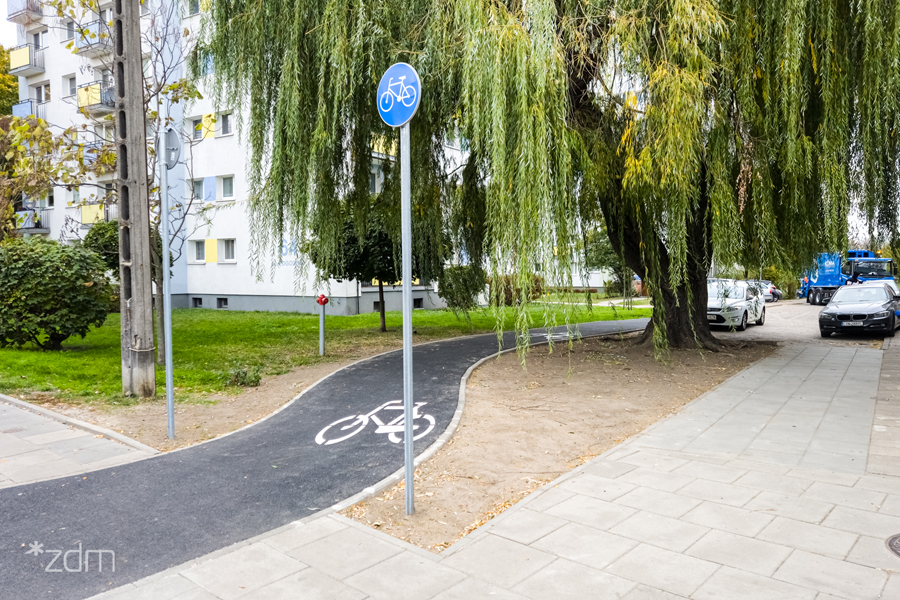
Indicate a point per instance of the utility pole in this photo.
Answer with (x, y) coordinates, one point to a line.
(138, 368)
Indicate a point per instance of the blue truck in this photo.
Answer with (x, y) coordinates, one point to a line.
(834, 270)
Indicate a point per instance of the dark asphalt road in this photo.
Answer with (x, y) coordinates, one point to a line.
(163, 511)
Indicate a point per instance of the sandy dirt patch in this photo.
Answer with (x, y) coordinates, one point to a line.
(523, 428)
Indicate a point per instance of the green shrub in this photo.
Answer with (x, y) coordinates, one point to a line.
(49, 292)
(505, 292)
(242, 376)
(460, 286)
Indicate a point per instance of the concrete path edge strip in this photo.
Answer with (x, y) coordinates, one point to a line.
(90, 427)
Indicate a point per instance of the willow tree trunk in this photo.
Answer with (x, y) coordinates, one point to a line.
(381, 305)
(683, 315)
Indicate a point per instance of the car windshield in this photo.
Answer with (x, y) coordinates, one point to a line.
(872, 269)
(860, 294)
(718, 290)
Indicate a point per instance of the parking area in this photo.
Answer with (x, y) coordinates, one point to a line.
(795, 321)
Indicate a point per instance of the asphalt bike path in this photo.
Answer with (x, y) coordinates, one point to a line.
(342, 436)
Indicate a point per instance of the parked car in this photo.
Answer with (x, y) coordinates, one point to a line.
(858, 308)
(888, 282)
(734, 303)
(769, 291)
(763, 288)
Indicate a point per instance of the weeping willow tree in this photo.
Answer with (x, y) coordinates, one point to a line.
(697, 130)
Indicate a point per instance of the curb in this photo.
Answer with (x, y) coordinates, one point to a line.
(90, 427)
(397, 476)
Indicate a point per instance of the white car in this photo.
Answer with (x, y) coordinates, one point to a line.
(734, 304)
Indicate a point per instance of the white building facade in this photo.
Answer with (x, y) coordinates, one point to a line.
(213, 268)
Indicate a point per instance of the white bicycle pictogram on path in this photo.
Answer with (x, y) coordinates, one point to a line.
(394, 428)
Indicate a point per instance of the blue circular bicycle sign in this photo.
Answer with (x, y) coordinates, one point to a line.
(398, 94)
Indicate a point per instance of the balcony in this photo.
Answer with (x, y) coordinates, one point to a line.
(93, 39)
(24, 11)
(26, 60)
(111, 212)
(30, 108)
(96, 98)
(32, 220)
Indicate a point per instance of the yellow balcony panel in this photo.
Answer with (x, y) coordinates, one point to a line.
(96, 97)
(19, 57)
(92, 213)
(26, 60)
(212, 248)
(209, 126)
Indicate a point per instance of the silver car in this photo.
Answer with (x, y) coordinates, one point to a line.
(734, 304)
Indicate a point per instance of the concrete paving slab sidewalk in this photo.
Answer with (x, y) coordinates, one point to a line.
(761, 489)
(35, 447)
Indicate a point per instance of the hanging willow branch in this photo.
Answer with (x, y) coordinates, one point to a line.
(700, 130)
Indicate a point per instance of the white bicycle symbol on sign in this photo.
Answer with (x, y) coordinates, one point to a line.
(394, 428)
(406, 94)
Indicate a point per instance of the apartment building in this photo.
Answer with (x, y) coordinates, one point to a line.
(213, 266)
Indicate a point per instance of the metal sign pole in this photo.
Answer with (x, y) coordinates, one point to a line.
(167, 303)
(398, 97)
(322, 332)
(168, 151)
(406, 247)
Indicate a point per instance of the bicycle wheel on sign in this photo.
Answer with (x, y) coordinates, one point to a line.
(398, 437)
(358, 421)
(410, 98)
(386, 101)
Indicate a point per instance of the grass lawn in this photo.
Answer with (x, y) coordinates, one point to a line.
(210, 343)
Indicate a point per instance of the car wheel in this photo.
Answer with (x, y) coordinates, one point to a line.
(762, 317)
(743, 325)
(825, 333)
(817, 299)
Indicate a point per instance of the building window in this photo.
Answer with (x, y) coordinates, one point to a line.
(198, 129)
(193, 7)
(50, 199)
(198, 189)
(376, 306)
(418, 303)
(197, 302)
(200, 251)
(222, 303)
(372, 182)
(42, 93)
(39, 39)
(76, 195)
(70, 85)
(228, 250)
(70, 30)
(228, 187)
(226, 124)
(145, 7)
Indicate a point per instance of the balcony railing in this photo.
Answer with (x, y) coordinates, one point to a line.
(26, 60)
(93, 39)
(23, 11)
(30, 108)
(111, 212)
(23, 109)
(96, 97)
(32, 219)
